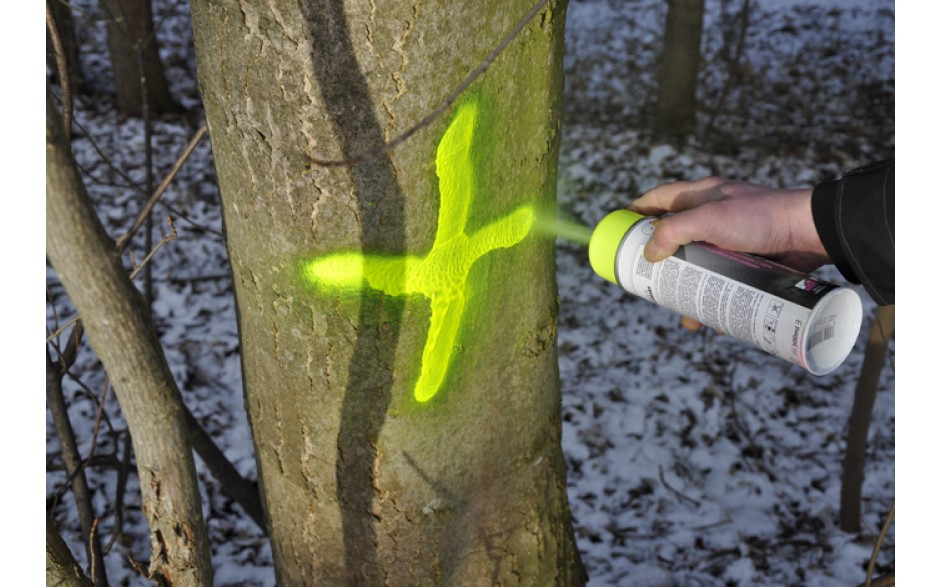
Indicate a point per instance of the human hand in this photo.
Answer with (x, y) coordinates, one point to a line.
(734, 215)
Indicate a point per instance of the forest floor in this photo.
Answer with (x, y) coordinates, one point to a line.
(693, 459)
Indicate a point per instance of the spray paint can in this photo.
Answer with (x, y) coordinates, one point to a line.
(786, 313)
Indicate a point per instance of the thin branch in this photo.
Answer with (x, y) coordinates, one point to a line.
(679, 494)
(372, 153)
(92, 540)
(190, 221)
(877, 549)
(63, 68)
(74, 468)
(62, 328)
(243, 491)
(105, 158)
(94, 432)
(166, 238)
(124, 470)
(882, 581)
(733, 67)
(148, 207)
(90, 394)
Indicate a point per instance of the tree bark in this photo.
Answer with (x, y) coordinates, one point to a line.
(123, 336)
(61, 568)
(361, 482)
(133, 49)
(675, 106)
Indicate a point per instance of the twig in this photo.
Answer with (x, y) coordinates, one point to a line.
(198, 278)
(190, 221)
(148, 207)
(679, 494)
(94, 432)
(166, 238)
(877, 548)
(68, 356)
(882, 581)
(105, 158)
(733, 67)
(62, 328)
(124, 470)
(91, 541)
(62, 67)
(55, 320)
(90, 394)
(73, 466)
(372, 153)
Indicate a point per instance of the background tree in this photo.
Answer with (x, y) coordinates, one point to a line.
(135, 58)
(122, 334)
(675, 104)
(362, 483)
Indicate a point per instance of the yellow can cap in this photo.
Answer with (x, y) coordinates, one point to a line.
(606, 239)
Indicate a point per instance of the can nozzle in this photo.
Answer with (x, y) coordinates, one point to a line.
(606, 239)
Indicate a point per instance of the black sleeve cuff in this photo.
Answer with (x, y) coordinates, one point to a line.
(823, 204)
(854, 218)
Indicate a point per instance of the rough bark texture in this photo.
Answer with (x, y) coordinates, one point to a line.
(675, 106)
(131, 22)
(122, 334)
(361, 483)
(61, 568)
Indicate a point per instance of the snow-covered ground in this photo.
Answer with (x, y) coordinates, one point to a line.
(693, 458)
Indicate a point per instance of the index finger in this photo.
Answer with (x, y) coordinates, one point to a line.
(678, 196)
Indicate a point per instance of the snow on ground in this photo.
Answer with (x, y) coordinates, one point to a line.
(693, 459)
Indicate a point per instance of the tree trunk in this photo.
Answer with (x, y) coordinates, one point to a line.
(123, 336)
(675, 106)
(856, 442)
(61, 568)
(130, 24)
(399, 440)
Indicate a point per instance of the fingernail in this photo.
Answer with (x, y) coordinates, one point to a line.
(652, 252)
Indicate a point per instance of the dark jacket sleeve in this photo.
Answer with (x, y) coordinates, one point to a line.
(854, 217)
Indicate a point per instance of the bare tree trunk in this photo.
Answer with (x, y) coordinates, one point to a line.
(365, 480)
(122, 334)
(856, 443)
(133, 49)
(675, 106)
(61, 568)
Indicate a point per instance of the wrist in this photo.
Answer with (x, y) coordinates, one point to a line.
(804, 236)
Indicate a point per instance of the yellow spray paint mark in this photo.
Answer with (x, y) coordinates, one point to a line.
(441, 274)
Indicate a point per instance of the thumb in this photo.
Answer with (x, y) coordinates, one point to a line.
(681, 228)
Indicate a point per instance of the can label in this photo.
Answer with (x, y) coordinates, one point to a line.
(751, 298)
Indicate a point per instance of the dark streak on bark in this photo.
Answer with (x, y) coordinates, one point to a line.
(381, 210)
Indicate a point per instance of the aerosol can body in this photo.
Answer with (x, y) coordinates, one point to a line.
(784, 312)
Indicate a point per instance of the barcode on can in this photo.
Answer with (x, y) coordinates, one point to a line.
(821, 336)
